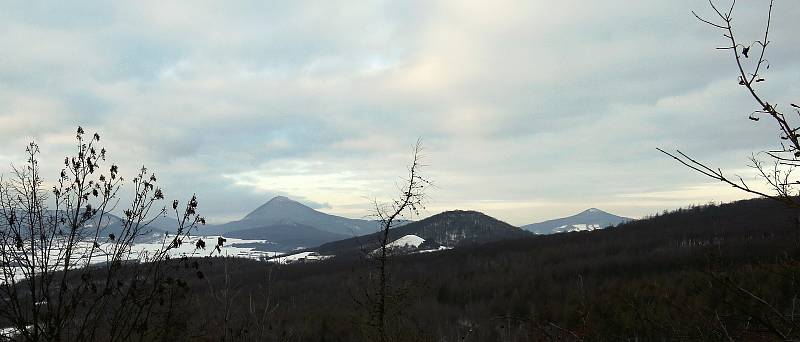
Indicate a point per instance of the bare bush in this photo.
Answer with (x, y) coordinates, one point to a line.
(69, 271)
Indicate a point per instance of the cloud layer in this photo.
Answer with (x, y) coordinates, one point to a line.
(528, 109)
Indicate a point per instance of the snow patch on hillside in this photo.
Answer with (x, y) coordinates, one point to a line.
(406, 241)
(403, 244)
(441, 248)
(578, 227)
(84, 254)
(299, 257)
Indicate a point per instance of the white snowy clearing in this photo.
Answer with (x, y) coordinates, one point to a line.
(578, 227)
(441, 248)
(85, 255)
(188, 248)
(406, 241)
(300, 257)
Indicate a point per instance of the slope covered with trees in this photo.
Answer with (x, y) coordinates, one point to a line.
(455, 228)
(700, 273)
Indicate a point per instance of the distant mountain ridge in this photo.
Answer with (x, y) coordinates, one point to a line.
(589, 219)
(282, 210)
(448, 229)
(287, 224)
(286, 236)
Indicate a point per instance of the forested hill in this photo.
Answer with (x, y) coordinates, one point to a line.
(650, 279)
(455, 228)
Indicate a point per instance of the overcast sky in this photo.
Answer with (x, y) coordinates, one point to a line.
(528, 109)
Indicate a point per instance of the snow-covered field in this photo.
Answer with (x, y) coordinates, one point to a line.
(84, 254)
(231, 247)
(188, 248)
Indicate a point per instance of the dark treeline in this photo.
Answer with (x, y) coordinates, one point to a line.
(703, 273)
(715, 272)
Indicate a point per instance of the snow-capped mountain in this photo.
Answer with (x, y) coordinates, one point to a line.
(589, 219)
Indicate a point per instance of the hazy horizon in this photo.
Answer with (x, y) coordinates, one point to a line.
(528, 110)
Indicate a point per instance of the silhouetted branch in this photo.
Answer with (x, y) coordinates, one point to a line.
(410, 199)
(778, 179)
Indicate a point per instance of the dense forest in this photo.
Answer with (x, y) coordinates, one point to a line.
(713, 272)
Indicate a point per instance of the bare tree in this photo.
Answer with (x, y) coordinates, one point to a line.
(751, 65)
(410, 200)
(69, 270)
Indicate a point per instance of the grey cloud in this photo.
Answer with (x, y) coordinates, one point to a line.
(518, 101)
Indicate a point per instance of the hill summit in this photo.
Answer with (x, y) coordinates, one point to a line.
(448, 229)
(589, 219)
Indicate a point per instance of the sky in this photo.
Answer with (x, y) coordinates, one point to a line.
(528, 110)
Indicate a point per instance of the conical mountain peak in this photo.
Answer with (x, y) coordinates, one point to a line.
(280, 199)
(593, 211)
(588, 219)
(279, 207)
(286, 211)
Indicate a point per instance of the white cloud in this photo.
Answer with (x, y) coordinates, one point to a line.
(529, 109)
